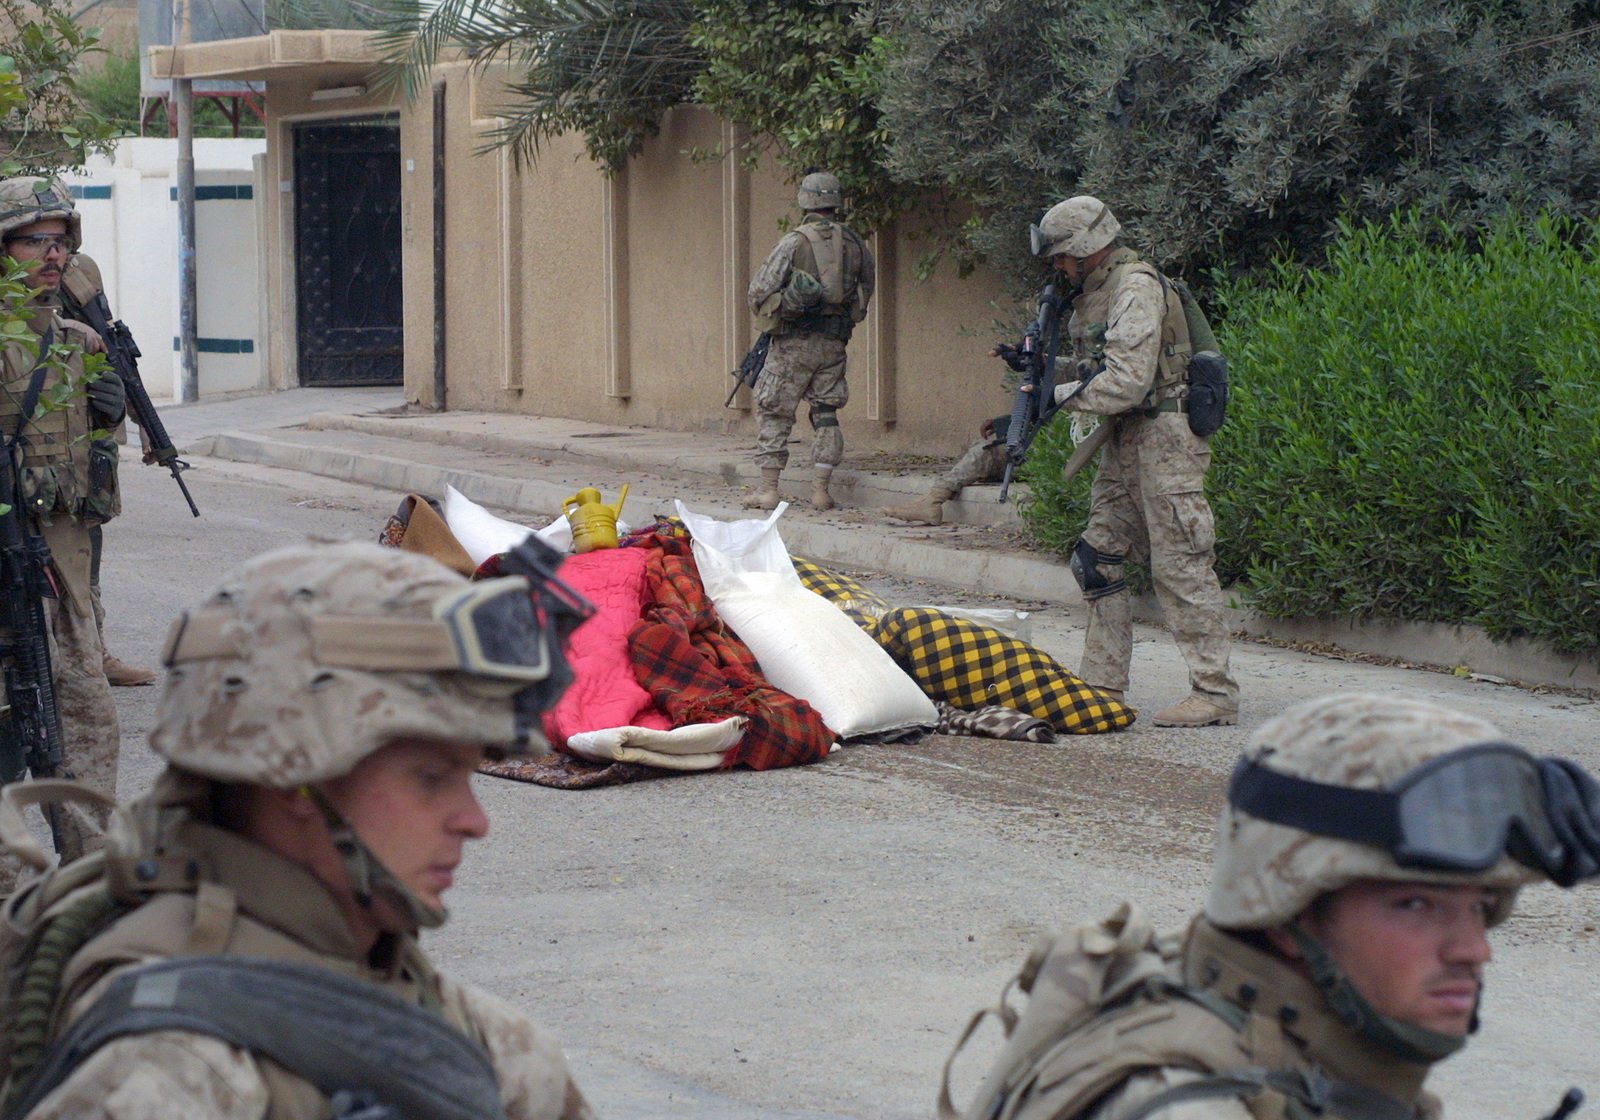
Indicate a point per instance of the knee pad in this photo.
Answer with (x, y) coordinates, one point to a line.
(1086, 563)
(823, 416)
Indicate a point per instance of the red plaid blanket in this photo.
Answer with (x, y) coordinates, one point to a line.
(698, 671)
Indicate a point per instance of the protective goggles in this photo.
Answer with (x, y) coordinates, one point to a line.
(512, 628)
(1461, 811)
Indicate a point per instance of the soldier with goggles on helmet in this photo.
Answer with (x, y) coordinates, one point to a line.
(246, 946)
(1369, 846)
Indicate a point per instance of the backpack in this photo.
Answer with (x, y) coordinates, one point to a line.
(1208, 369)
(42, 923)
(1105, 1003)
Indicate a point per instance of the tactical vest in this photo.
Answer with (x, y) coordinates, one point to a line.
(1172, 360)
(833, 253)
(1110, 1002)
(55, 444)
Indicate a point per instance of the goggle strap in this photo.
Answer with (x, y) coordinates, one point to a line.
(1363, 816)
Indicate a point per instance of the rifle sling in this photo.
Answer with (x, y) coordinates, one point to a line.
(30, 400)
(337, 1032)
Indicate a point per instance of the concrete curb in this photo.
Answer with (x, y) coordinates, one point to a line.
(1466, 650)
(651, 452)
(999, 574)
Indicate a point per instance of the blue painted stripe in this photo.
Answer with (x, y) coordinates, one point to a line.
(212, 194)
(91, 192)
(223, 345)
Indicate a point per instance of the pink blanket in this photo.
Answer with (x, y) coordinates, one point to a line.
(605, 692)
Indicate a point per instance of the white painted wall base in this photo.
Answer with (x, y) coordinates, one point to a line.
(130, 228)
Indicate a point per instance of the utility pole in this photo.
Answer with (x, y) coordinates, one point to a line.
(188, 286)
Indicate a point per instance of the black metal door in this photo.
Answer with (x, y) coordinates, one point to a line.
(347, 252)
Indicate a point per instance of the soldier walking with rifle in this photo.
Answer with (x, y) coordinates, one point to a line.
(1131, 363)
(60, 712)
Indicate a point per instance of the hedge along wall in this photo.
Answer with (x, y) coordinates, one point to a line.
(1414, 434)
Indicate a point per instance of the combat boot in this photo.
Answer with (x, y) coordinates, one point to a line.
(926, 510)
(1196, 711)
(123, 675)
(821, 500)
(767, 497)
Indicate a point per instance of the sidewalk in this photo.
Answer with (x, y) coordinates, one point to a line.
(525, 466)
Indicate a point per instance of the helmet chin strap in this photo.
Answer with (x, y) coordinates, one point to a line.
(1405, 1041)
(369, 878)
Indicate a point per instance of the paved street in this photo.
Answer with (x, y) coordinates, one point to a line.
(807, 944)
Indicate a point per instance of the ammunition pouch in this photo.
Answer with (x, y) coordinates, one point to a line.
(103, 500)
(828, 322)
(41, 491)
(1208, 392)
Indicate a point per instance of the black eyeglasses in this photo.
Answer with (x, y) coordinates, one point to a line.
(39, 244)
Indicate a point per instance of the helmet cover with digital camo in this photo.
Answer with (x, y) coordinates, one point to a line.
(1079, 227)
(1267, 873)
(820, 191)
(27, 199)
(307, 659)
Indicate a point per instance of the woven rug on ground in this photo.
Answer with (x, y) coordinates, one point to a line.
(560, 771)
(973, 666)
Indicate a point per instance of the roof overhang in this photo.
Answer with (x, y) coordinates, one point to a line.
(330, 58)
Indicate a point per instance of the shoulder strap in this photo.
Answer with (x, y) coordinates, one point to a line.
(299, 1017)
(30, 400)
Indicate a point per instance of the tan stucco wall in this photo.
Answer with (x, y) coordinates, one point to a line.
(622, 301)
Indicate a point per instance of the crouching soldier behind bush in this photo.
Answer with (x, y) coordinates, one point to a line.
(246, 946)
(1343, 946)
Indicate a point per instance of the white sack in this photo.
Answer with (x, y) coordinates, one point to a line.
(480, 532)
(807, 647)
(697, 746)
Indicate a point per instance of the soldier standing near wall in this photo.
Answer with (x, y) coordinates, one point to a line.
(1131, 352)
(39, 228)
(247, 945)
(814, 287)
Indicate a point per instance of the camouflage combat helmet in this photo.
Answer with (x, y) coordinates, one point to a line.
(29, 199)
(820, 191)
(307, 659)
(1266, 874)
(1079, 227)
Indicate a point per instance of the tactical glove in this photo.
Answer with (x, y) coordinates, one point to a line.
(108, 400)
(1011, 356)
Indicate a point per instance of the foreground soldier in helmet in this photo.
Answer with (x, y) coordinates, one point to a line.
(1368, 846)
(40, 229)
(325, 712)
(814, 288)
(1131, 352)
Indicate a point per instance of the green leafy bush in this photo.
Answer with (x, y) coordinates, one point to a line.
(1414, 433)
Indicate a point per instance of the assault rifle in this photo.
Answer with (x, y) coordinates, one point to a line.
(749, 370)
(124, 355)
(1036, 394)
(30, 732)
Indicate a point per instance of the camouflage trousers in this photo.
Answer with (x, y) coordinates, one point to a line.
(983, 462)
(83, 695)
(800, 367)
(1148, 505)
